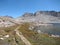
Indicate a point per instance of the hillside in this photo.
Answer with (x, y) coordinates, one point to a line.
(37, 17)
(20, 35)
(39, 28)
(40, 17)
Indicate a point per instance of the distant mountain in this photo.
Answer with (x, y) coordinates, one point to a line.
(28, 14)
(37, 17)
(41, 16)
(6, 21)
(52, 13)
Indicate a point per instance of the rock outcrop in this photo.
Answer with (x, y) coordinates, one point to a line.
(41, 17)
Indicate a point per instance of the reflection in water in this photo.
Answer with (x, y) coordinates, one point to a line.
(52, 29)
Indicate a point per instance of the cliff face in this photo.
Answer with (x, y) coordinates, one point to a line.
(52, 13)
(41, 16)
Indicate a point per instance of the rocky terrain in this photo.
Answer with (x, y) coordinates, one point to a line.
(39, 17)
(5, 21)
(26, 34)
(29, 22)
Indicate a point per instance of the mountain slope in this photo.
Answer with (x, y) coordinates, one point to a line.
(37, 17)
(40, 16)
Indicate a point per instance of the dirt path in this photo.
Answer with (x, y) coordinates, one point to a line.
(22, 37)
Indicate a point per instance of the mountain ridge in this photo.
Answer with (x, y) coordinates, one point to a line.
(41, 16)
(37, 17)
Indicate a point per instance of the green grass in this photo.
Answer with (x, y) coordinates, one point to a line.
(10, 40)
(37, 39)
(32, 36)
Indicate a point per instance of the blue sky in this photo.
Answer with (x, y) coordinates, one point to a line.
(16, 8)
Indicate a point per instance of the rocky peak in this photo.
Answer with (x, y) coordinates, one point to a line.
(27, 14)
(6, 16)
(52, 13)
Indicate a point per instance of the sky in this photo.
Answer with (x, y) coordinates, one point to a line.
(16, 8)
